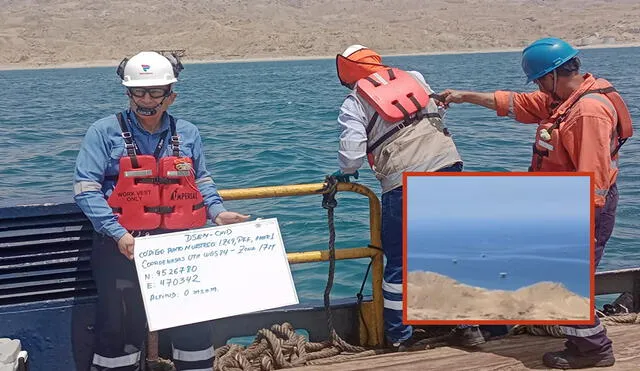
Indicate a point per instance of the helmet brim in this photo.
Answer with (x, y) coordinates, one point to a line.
(144, 83)
(550, 69)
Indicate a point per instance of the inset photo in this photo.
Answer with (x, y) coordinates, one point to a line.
(507, 248)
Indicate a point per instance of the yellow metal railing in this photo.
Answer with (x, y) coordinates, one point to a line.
(371, 325)
(372, 315)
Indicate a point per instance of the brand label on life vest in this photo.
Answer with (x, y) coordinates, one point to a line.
(175, 195)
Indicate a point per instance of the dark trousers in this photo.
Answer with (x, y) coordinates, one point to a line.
(121, 322)
(593, 338)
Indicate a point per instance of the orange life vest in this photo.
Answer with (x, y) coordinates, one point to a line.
(396, 96)
(152, 194)
(546, 157)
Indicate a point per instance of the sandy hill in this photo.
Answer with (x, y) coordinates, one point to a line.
(434, 296)
(48, 32)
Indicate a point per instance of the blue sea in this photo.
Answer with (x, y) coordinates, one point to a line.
(274, 123)
(477, 252)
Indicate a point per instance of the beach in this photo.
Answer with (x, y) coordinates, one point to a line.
(188, 61)
(71, 34)
(432, 296)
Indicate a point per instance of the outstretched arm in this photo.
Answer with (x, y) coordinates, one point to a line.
(527, 108)
(353, 136)
(460, 96)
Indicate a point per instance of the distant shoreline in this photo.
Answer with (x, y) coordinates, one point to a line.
(187, 61)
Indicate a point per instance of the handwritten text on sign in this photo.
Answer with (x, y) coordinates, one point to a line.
(209, 273)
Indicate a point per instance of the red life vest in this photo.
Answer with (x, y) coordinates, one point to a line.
(396, 96)
(152, 194)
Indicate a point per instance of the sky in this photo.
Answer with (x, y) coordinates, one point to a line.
(500, 197)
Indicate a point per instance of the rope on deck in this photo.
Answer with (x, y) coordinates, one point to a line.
(280, 347)
(621, 319)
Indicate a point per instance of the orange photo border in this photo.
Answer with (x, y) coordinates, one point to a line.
(591, 320)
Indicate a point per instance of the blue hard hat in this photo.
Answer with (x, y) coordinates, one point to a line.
(545, 55)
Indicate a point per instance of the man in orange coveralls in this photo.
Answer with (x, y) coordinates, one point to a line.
(582, 122)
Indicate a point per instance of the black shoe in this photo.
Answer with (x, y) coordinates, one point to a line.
(568, 359)
(402, 346)
(467, 337)
(406, 345)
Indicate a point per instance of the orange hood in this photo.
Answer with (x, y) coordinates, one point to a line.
(358, 65)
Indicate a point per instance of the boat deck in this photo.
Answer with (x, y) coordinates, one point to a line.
(519, 352)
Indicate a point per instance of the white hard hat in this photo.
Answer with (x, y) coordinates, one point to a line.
(352, 49)
(147, 69)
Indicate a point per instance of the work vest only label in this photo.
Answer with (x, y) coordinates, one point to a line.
(134, 196)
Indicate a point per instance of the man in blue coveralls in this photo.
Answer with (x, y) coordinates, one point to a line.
(118, 152)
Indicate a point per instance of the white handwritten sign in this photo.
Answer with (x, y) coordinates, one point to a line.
(209, 273)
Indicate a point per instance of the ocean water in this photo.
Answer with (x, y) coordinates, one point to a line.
(274, 123)
(477, 253)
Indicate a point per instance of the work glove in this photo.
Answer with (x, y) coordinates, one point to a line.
(341, 177)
